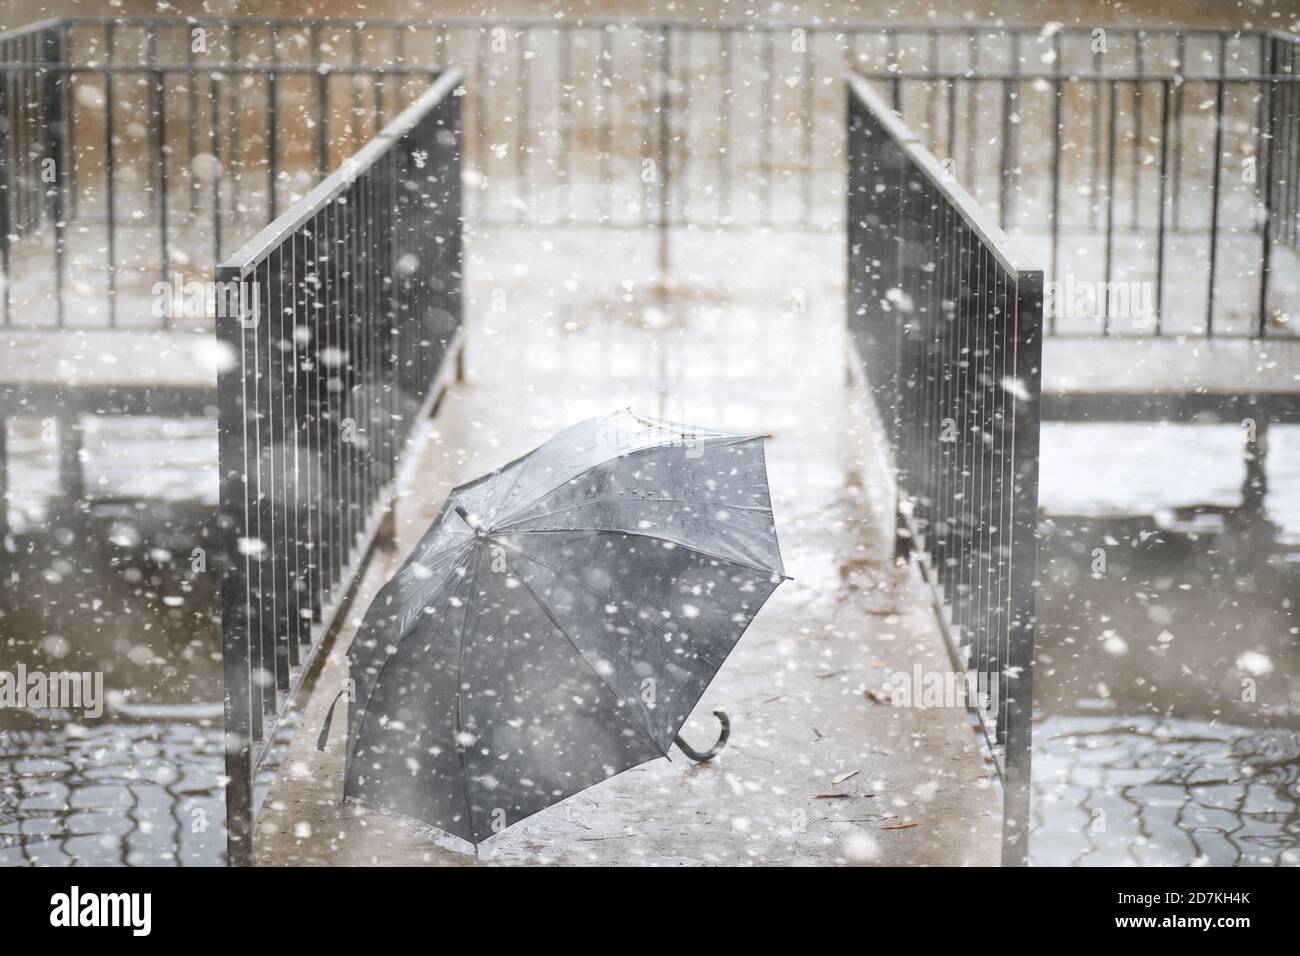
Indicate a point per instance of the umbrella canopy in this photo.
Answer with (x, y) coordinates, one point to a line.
(559, 621)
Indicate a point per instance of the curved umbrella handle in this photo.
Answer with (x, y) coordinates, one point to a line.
(716, 748)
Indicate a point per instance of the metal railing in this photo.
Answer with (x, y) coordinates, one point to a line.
(174, 166)
(31, 131)
(1113, 153)
(1159, 194)
(339, 316)
(946, 320)
(1282, 157)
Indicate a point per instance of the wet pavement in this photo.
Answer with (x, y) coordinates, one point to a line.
(820, 767)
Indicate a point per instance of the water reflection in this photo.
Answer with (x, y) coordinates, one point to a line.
(1167, 682)
(114, 585)
(115, 793)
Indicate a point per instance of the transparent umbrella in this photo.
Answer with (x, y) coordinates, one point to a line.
(558, 622)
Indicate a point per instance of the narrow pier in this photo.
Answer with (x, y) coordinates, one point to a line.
(821, 768)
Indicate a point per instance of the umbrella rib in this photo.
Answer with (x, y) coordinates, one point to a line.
(651, 537)
(640, 625)
(578, 581)
(365, 706)
(668, 443)
(433, 583)
(460, 663)
(583, 584)
(583, 657)
(594, 498)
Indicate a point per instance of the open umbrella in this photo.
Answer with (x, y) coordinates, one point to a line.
(558, 622)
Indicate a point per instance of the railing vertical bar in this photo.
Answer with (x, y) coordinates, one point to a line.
(1094, 154)
(349, 315)
(892, 57)
(109, 182)
(33, 207)
(1216, 176)
(949, 569)
(262, 542)
(295, 533)
(766, 108)
(1179, 109)
(1004, 157)
(1012, 145)
(6, 271)
(566, 88)
(52, 102)
(354, 91)
(1058, 119)
(980, 502)
(272, 145)
(69, 159)
(1268, 65)
(1266, 233)
(665, 155)
(279, 504)
(214, 144)
(325, 360)
(972, 113)
(1164, 185)
(1001, 399)
(331, 452)
(726, 157)
(604, 99)
(1291, 210)
(1284, 148)
(361, 362)
(1139, 76)
(809, 78)
(931, 91)
(1110, 207)
(481, 94)
(234, 163)
(322, 124)
(680, 100)
(369, 394)
(386, 279)
(521, 119)
(192, 127)
(310, 369)
(160, 180)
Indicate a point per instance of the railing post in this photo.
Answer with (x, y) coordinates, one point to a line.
(52, 107)
(948, 323)
(234, 560)
(6, 194)
(1018, 697)
(4, 473)
(1271, 93)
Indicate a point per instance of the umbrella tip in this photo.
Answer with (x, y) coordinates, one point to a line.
(471, 520)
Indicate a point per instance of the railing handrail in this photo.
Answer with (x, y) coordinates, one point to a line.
(361, 69)
(596, 22)
(1008, 252)
(36, 27)
(269, 238)
(225, 66)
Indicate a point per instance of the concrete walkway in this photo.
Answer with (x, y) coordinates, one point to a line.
(821, 769)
